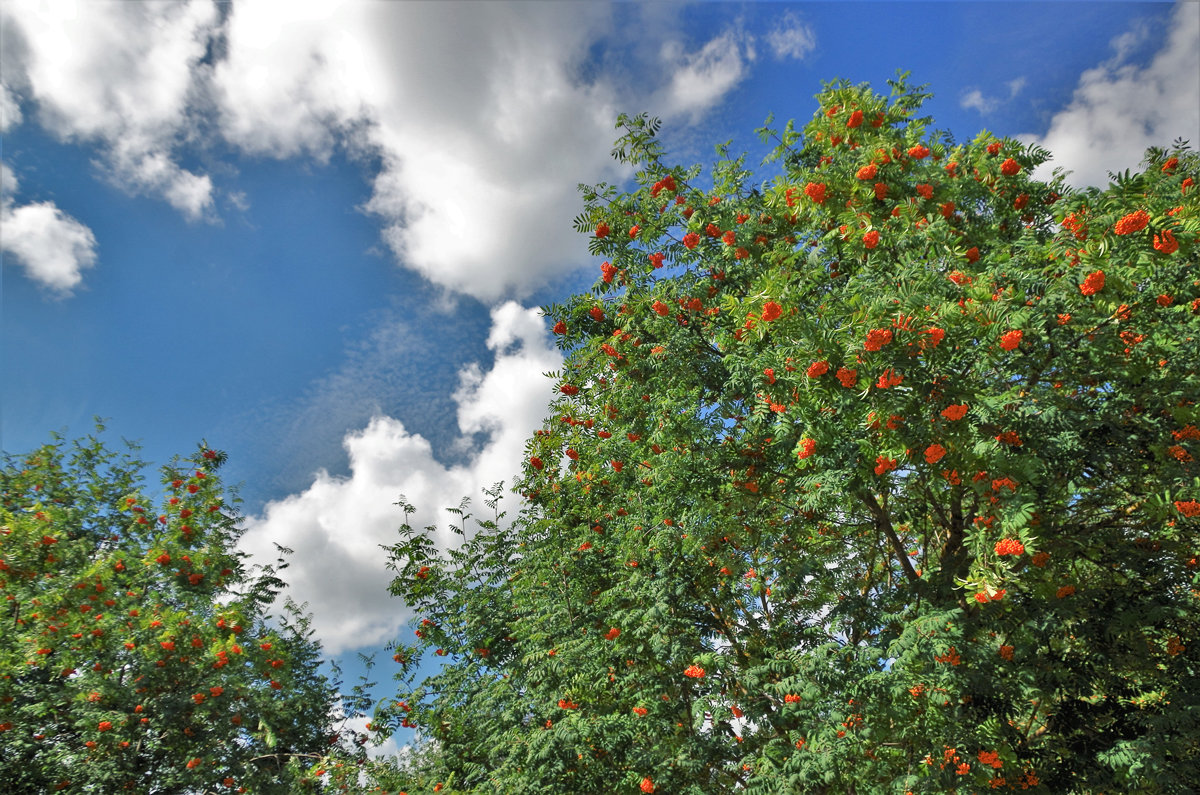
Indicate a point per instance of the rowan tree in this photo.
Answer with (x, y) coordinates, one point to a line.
(140, 651)
(874, 476)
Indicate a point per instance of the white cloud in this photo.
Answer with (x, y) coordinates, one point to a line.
(974, 99)
(10, 109)
(238, 199)
(482, 117)
(792, 38)
(700, 80)
(1126, 43)
(53, 247)
(388, 749)
(336, 525)
(480, 128)
(9, 185)
(293, 73)
(1120, 109)
(121, 75)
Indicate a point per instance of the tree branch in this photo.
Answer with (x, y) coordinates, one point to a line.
(884, 525)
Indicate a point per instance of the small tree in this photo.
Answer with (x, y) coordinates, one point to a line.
(876, 477)
(138, 653)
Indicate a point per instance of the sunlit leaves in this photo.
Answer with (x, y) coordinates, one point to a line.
(139, 654)
(792, 469)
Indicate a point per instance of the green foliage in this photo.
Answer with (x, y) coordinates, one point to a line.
(877, 477)
(138, 653)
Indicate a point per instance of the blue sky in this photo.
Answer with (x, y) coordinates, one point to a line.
(316, 234)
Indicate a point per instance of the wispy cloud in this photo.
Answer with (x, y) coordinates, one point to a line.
(975, 100)
(10, 109)
(1119, 109)
(791, 38)
(701, 79)
(53, 247)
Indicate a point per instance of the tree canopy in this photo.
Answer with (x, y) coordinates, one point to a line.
(140, 651)
(873, 474)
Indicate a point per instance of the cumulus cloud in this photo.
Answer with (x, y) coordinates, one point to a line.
(791, 38)
(336, 525)
(481, 118)
(293, 74)
(701, 79)
(480, 128)
(53, 247)
(1119, 109)
(120, 75)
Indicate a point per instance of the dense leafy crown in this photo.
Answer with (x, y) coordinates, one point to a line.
(875, 477)
(138, 653)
